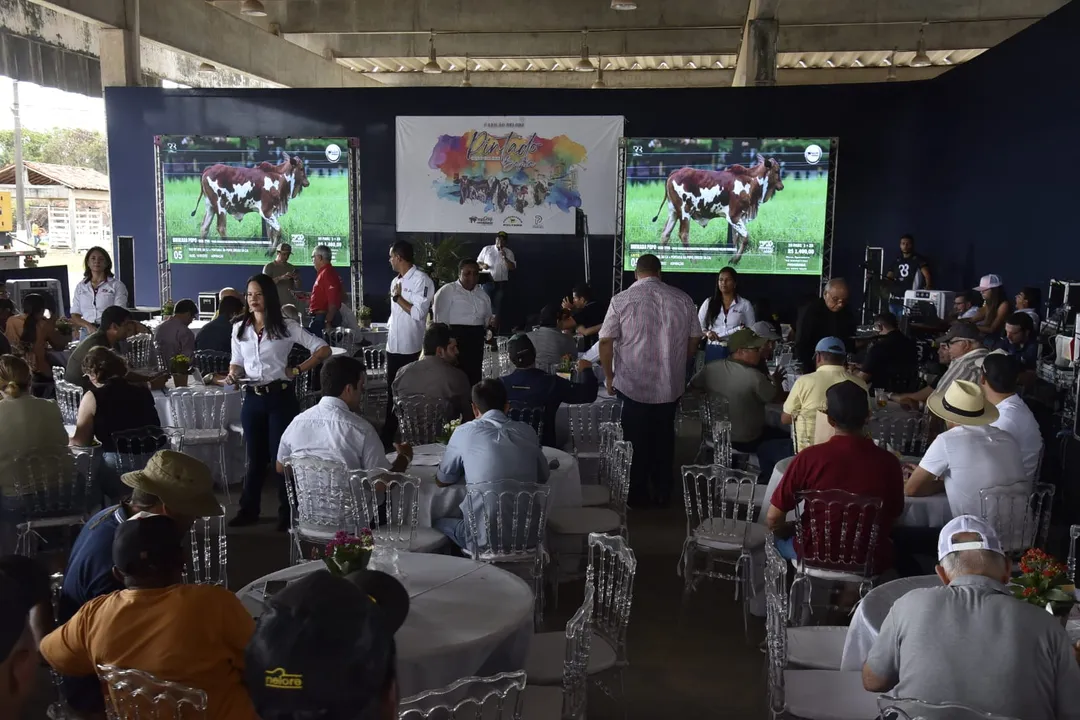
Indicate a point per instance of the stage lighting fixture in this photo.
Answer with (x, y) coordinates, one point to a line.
(584, 64)
(921, 59)
(891, 75)
(599, 84)
(431, 67)
(465, 78)
(253, 8)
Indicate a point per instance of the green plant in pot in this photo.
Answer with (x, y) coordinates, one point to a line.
(363, 316)
(1043, 581)
(180, 367)
(167, 308)
(438, 260)
(348, 553)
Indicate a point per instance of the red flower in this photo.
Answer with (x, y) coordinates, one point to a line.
(1028, 592)
(1050, 573)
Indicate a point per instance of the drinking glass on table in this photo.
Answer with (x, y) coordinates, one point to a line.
(881, 396)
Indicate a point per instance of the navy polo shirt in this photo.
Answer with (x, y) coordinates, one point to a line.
(532, 387)
(89, 571)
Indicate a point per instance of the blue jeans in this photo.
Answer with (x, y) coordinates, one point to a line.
(497, 292)
(786, 548)
(773, 446)
(264, 418)
(453, 528)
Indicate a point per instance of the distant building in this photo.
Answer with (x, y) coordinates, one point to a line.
(66, 206)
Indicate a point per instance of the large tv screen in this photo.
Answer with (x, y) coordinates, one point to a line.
(700, 204)
(230, 200)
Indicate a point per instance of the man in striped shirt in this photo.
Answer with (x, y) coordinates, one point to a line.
(649, 332)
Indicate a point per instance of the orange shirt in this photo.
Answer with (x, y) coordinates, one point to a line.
(194, 635)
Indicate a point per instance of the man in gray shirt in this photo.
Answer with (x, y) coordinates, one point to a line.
(436, 375)
(971, 642)
(550, 341)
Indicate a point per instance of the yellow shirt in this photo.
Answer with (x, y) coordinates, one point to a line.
(194, 635)
(808, 396)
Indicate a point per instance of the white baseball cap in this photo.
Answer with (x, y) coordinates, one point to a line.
(987, 282)
(988, 539)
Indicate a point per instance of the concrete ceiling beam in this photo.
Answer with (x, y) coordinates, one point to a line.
(939, 36)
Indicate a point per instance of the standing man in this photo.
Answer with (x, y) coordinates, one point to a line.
(588, 313)
(467, 310)
(326, 295)
(411, 294)
(910, 271)
(828, 316)
(650, 330)
(284, 274)
(498, 260)
(174, 336)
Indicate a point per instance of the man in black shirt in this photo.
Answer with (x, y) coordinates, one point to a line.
(588, 314)
(910, 271)
(827, 316)
(892, 361)
(216, 334)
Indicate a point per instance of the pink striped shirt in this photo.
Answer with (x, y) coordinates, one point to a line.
(651, 323)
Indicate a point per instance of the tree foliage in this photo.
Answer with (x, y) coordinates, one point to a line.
(60, 146)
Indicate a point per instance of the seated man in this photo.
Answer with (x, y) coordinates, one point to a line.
(334, 429)
(116, 324)
(892, 360)
(530, 387)
(491, 448)
(966, 305)
(436, 375)
(1020, 340)
(172, 484)
(1000, 373)
(747, 390)
(970, 455)
(217, 334)
(765, 330)
(18, 652)
(550, 341)
(849, 461)
(190, 634)
(174, 336)
(966, 353)
(970, 642)
(807, 395)
(337, 630)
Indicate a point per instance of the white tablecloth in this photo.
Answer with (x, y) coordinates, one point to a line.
(464, 619)
(435, 502)
(194, 327)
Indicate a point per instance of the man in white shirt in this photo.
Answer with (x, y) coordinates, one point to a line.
(334, 429)
(969, 456)
(411, 294)
(1000, 372)
(498, 260)
(467, 310)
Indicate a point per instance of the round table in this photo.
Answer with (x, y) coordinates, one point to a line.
(465, 618)
(436, 502)
(871, 613)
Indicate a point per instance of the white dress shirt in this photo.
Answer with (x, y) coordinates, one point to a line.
(741, 313)
(267, 359)
(90, 303)
(330, 431)
(490, 256)
(969, 458)
(454, 305)
(1015, 418)
(405, 331)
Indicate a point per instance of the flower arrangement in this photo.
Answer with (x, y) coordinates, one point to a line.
(167, 308)
(448, 430)
(1043, 582)
(363, 316)
(64, 326)
(566, 364)
(348, 553)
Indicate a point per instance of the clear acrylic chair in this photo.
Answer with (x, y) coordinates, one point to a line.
(905, 431)
(909, 709)
(138, 695)
(531, 416)
(387, 502)
(720, 511)
(304, 384)
(505, 523)
(58, 372)
(209, 552)
(212, 361)
(135, 447)
(340, 337)
(140, 353)
(420, 419)
(585, 421)
(837, 533)
(713, 408)
(375, 384)
(491, 698)
(1070, 566)
(599, 493)
(201, 413)
(68, 397)
(53, 492)
(1019, 513)
(570, 701)
(321, 503)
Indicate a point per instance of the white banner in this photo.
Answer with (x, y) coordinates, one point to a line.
(518, 174)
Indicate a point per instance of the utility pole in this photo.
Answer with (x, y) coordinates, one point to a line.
(20, 200)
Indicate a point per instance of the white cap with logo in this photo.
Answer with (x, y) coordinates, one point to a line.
(988, 539)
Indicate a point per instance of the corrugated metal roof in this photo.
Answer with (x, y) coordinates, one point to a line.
(72, 176)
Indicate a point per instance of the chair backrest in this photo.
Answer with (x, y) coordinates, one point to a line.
(585, 422)
(68, 397)
(906, 431)
(909, 709)
(197, 409)
(776, 614)
(52, 482)
(135, 447)
(58, 372)
(612, 567)
(610, 433)
(212, 361)
(721, 442)
(505, 521)
(719, 501)
(421, 419)
(304, 384)
(138, 695)
(837, 530)
(339, 337)
(496, 364)
(320, 497)
(491, 698)
(619, 462)
(140, 351)
(576, 662)
(387, 502)
(209, 552)
(1019, 513)
(375, 362)
(531, 416)
(1070, 566)
(714, 407)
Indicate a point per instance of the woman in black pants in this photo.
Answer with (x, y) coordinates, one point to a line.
(261, 344)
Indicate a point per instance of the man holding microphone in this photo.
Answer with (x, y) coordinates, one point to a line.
(498, 260)
(467, 310)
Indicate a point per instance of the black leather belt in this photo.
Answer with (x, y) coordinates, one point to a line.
(268, 388)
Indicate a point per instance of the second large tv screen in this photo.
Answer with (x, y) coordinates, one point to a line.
(700, 204)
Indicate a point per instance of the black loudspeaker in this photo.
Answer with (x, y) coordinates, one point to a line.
(125, 264)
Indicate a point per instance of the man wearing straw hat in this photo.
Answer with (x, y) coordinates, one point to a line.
(969, 456)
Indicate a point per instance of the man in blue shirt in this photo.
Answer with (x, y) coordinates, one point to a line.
(490, 449)
(531, 387)
(1020, 340)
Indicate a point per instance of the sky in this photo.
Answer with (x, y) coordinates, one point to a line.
(42, 108)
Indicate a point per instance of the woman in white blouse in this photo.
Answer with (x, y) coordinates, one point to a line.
(723, 313)
(261, 343)
(97, 291)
